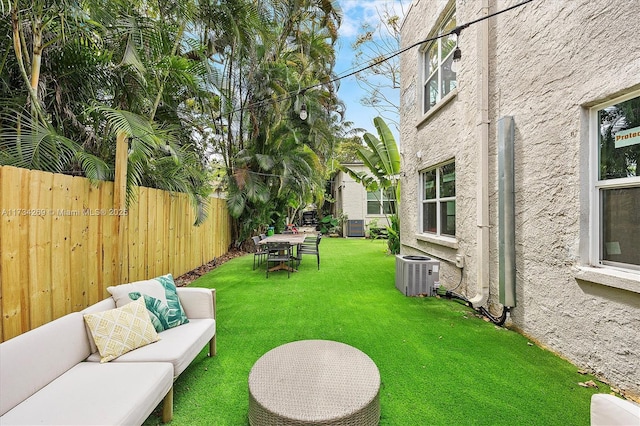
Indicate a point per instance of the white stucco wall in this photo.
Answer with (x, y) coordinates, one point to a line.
(549, 62)
(351, 198)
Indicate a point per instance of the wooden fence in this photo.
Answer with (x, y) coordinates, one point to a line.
(62, 243)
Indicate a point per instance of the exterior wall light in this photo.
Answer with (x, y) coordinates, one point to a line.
(457, 55)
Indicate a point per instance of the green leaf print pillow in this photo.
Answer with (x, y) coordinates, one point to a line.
(160, 298)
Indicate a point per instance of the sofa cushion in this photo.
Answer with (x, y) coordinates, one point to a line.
(33, 359)
(197, 302)
(179, 346)
(160, 296)
(118, 331)
(609, 410)
(96, 394)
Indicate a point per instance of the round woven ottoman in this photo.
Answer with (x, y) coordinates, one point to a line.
(314, 382)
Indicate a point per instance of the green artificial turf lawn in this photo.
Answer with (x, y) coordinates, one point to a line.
(440, 364)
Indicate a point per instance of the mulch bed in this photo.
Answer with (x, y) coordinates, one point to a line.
(190, 276)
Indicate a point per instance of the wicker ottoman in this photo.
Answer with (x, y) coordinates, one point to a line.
(314, 382)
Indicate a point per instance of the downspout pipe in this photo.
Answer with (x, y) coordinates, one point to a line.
(506, 212)
(483, 258)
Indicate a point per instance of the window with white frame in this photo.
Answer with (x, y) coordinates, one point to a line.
(615, 209)
(381, 201)
(438, 200)
(437, 77)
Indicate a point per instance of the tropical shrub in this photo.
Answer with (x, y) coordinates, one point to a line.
(393, 234)
(328, 224)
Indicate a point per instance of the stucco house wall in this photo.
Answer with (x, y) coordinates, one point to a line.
(548, 63)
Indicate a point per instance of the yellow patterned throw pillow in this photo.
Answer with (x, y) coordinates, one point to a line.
(118, 331)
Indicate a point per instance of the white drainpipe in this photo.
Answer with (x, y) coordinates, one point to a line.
(483, 259)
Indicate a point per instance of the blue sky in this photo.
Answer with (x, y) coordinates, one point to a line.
(354, 13)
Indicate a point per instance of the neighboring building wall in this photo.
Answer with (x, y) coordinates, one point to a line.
(351, 199)
(548, 63)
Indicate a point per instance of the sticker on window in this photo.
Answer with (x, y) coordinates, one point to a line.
(613, 248)
(627, 137)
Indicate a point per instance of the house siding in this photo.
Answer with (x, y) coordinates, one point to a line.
(548, 63)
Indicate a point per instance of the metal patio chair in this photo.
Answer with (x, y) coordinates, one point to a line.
(313, 248)
(282, 254)
(260, 251)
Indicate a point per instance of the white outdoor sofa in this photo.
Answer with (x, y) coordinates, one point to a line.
(609, 410)
(52, 375)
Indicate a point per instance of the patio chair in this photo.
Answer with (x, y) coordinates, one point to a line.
(259, 253)
(282, 254)
(309, 242)
(263, 236)
(310, 248)
(310, 239)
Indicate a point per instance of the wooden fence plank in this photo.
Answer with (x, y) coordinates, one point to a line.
(166, 236)
(23, 239)
(60, 248)
(143, 259)
(173, 234)
(40, 199)
(123, 229)
(108, 234)
(219, 241)
(180, 240)
(151, 234)
(93, 280)
(133, 241)
(193, 254)
(13, 308)
(78, 241)
(159, 247)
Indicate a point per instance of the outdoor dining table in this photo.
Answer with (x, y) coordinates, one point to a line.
(292, 239)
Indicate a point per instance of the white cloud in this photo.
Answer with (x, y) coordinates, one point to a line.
(356, 12)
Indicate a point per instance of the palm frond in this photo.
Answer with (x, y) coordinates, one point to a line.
(32, 145)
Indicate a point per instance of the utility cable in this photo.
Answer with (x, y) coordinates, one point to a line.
(457, 30)
(451, 294)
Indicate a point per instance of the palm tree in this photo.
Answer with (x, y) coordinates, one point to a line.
(144, 84)
(187, 83)
(276, 160)
(40, 33)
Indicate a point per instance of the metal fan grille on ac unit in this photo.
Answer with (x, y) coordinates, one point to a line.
(416, 275)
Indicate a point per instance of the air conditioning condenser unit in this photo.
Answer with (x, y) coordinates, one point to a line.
(417, 275)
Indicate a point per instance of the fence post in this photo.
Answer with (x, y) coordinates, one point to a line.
(120, 202)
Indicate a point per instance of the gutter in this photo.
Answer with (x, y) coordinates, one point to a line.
(483, 258)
